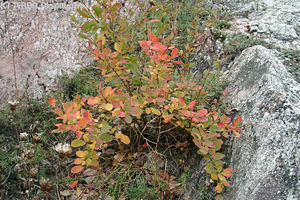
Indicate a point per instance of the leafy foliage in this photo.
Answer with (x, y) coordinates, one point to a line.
(147, 82)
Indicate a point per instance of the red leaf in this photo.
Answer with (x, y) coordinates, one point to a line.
(178, 62)
(187, 113)
(61, 126)
(174, 53)
(52, 102)
(122, 114)
(115, 103)
(114, 54)
(86, 114)
(168, 118)
(181, 101)
(145, 44)
(73, 184)
(78, 134)
(145, 145)
(195, 120)
(168, 77)
(221, 126)
(152, 37)
(154, 20)
(77, 169)
(191, 105)
(237, 121)
(210, 144)
(201, 113)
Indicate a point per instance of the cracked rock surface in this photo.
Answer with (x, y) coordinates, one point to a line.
(276, 21)
(266, 157)
(44, 43)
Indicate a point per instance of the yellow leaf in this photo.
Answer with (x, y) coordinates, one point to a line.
(155, 111)
(102, 39)
(124, 138)
(148, 111)
(172, 107)
(214, 176)
(86, 137)
(118, 47)
(108, 106)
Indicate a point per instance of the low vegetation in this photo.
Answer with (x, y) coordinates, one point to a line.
(121, 124)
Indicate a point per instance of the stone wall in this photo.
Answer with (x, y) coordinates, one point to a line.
(44, 43)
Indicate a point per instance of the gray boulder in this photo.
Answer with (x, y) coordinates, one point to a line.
(266, 157)
(277, 21)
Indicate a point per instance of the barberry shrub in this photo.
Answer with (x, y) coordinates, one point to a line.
(147, 90)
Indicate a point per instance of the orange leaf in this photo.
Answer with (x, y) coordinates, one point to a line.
(73, 184)
(94, 100)
(78, 161)
(227, 172)
(219, 188)
(236, 133)
(52, 102)
(58, 111)
(82, 123)
(77, 169)
(124, 138)
(81, 153)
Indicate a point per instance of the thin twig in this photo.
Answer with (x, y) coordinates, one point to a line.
(14, 64)
(7, 176)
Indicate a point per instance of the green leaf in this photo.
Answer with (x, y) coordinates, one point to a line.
(219, 197)
(105, 129)
(128, 118)
(209, 168)
(87, 27)
(73, 19)
(155, 111)
(218, 156)
(77, 143)
(218, 144)
(105, 137)
(83, 36)
(131, 67)
(84, 13)
(98, 10)
(214, 128)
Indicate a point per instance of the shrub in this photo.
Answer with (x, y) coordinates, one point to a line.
(147, 92)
